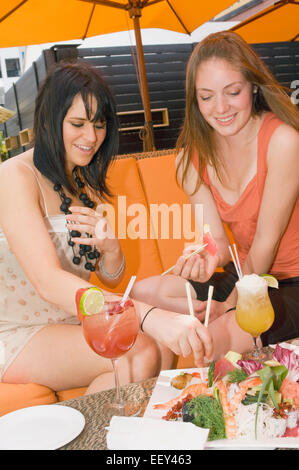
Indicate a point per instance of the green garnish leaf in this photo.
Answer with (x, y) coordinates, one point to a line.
(206, 412)
(277, 374)
(272, 378)
(266, 376)
(265, 373)
(272, 394)
(237, 376)
(280, 373)
(250, 399)
(216, 394)
(211, 374)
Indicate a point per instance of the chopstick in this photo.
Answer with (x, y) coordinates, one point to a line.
(186, 257)
(191, 311)
(210, 295)
(189, 299)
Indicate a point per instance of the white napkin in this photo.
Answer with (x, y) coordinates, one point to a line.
(131, 433)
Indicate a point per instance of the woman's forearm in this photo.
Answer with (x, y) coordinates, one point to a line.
(222, 251)
(182, 334)
(111, 268)
(59, 287)
(260, 258)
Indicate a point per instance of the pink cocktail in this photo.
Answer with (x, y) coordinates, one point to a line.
(113, 331)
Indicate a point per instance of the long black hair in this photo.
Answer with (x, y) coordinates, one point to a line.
(55, 97)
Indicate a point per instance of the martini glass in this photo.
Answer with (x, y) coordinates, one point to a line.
(111, 333)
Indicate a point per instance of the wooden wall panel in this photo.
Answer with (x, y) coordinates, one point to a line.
(165, 65)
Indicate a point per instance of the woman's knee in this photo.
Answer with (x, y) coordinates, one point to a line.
(157, 287)
(145, 290)
(146, 363)
(137, 290)
(168, 358)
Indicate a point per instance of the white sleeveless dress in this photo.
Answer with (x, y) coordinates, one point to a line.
(22, 312)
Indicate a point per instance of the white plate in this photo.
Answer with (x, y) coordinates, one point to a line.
(163, 392)
(44, 427)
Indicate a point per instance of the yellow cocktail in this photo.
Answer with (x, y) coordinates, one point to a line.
(254, 311)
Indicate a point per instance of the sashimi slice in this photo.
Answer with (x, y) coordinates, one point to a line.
(209, 240)
(290, 391)
(222, 367)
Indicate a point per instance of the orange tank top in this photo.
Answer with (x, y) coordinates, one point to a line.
(241, 218)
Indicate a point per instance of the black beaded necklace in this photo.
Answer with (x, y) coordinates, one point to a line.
(90, 254)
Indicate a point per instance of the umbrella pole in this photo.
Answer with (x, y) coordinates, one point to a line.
(148, 139)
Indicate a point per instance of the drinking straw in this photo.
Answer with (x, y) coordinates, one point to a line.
(187, 257)
(189, 299)
(237, 259)
(210, 295)
(235, 262)
(128, 290)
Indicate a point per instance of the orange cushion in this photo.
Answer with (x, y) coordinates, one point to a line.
(69, 394)
(16, 396)
(158, 178)
(185, 362)
(131, 223)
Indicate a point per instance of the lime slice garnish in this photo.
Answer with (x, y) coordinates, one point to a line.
(271, 280)
(92, 301)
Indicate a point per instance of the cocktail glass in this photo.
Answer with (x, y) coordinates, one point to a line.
(254, 311)
(111, 333)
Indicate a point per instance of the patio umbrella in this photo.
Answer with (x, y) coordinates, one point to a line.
(279, 22)
(25, 22)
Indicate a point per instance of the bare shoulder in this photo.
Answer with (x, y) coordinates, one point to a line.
(285, 136)
(17, 173)
(19, 164)
(284, 145)
(191, 176)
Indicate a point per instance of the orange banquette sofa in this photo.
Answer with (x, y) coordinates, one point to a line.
(141, 183)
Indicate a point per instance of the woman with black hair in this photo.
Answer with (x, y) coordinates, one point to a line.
(49, 247)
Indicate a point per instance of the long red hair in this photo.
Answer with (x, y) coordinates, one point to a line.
(196, 134)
